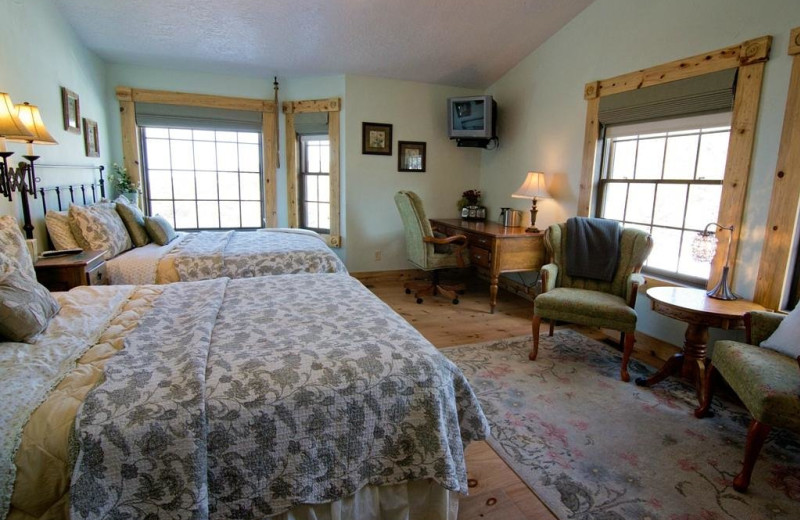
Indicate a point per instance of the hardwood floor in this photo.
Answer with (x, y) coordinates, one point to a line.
(495, 490)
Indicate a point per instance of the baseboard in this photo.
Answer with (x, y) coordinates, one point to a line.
(399, 275)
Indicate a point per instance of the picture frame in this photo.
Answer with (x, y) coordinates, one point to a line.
(411, 156)
(376, 138)
(90, 138)
(71, 109)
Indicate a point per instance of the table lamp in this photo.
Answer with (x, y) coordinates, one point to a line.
(533, 187)
(704, 246)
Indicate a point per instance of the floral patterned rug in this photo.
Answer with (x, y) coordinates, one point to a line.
(593, 447)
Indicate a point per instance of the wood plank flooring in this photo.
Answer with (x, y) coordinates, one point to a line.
(496, 492)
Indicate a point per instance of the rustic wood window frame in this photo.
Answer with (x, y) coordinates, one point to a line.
(333, 107)
(749, 57)
(781, 228)
(128, 97)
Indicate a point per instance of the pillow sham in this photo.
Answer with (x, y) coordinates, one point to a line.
(786, 338)
(26, 306)
(160, 230)
(101, 228)
(133, 219)
(58, 228)
(13, 246)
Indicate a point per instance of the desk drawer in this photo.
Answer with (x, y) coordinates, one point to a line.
(480, 256)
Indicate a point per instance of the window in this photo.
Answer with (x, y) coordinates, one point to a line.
(666, 177)
(314, 180)
(204, 179)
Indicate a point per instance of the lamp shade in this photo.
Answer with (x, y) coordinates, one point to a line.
(533, 187)
(10, 123)
(704, 246)
(32, 119)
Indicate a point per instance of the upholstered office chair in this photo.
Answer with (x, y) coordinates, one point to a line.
(592, 302)
(766, 381)
(429, 252)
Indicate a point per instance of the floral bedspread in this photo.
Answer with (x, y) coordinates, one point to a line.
(214, 254)
(218, 407)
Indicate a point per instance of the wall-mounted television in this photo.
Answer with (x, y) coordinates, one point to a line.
(471, 117)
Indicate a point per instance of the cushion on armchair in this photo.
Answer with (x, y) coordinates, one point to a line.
(786, 338)
(586, 307)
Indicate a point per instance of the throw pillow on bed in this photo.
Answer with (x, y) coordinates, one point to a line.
(133, 219)
(26, 306)
(101, 228)
(160, 230)
(13, 246)
(58, 228)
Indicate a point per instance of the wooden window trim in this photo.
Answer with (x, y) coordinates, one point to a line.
(332, 106)
(776, 253)
(128, 97)
(749, 57)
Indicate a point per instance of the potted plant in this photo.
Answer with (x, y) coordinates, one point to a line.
(123, 183)
(470, 207)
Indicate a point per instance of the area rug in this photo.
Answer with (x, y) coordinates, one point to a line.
(593, 447)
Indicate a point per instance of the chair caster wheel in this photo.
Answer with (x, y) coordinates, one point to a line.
(455, 301)
(419, 300)
(408, 291)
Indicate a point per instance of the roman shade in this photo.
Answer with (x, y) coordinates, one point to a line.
(311, 123)
(704, 94)
(198, 118)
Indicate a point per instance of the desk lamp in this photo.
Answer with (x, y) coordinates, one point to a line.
(533, 187)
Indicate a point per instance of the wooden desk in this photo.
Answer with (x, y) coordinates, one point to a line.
(700, 312)
(495, 249)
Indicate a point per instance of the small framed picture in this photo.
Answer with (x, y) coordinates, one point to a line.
(376, 139)
(90, 138)
(410, 156)
(71, 108)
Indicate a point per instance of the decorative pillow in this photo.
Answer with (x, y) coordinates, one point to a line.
(786, 338)
(58, 228)
(13, 246)
(26, 306)
(101, 228)
(133, 219)
(160, 230)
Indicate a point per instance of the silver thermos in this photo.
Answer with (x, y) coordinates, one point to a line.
(510, 217)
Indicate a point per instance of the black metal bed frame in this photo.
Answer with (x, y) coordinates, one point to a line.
(83, 190)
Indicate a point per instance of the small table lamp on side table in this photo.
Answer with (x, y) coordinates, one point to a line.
(534, 186)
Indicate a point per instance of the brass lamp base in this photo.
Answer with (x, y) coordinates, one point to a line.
(721, 290)
(533, 230)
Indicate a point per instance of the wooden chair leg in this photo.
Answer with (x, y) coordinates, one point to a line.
(552, 325)
(707, 391)
(630, 339)
(536, 322)
(756, 435)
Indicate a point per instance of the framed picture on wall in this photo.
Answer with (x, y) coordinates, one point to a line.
(71, 108)
(90, 138)
(376, 139)
(410, 156)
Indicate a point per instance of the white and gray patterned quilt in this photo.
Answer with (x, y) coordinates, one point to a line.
(220, 406)
(214, 254)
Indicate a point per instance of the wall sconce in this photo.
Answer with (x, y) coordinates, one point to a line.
(22, 123)
(704, 247)
(533, 187)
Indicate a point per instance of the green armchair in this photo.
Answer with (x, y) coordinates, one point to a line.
(428, 252)
(592, 302)
(767, 382)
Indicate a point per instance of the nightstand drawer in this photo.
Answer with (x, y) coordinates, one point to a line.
(97, 276)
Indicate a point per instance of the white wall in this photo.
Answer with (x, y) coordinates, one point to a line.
(418, 112)
(542, 110)
(40, 53)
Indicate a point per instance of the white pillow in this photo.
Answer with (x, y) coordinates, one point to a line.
(57, 223)
(786, 338)
(13, 246)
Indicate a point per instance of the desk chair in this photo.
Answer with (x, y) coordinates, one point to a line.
(428, 252)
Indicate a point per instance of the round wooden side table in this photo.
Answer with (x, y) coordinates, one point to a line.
(700, 312)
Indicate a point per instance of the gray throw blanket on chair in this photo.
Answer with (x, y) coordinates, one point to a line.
(592, 247)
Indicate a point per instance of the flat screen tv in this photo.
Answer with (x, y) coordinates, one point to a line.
(471, 117)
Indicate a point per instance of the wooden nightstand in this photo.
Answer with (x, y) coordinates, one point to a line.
(62, 273)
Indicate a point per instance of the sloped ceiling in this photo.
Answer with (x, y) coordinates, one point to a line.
(468, 43)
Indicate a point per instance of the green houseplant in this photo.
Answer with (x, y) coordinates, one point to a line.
(123, 183)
